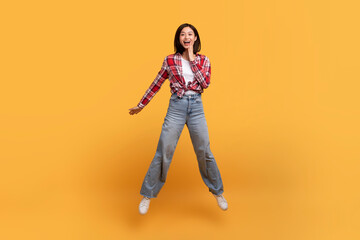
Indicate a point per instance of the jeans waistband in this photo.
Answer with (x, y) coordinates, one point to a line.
(187, 96)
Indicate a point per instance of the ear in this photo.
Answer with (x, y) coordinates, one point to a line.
(195, 38)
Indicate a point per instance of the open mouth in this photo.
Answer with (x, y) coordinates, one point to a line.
(186, 42)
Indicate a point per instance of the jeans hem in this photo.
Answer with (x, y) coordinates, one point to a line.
(216, 193)
(148, 196)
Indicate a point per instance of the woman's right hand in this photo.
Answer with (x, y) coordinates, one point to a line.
(134, 110)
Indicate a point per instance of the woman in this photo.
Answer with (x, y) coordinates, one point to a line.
(189, 73)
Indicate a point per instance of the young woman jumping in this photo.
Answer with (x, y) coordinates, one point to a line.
(189, 73)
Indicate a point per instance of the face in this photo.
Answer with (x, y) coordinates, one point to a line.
(187, 37)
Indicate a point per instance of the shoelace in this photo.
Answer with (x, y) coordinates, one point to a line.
(144, 203)
(221, 198)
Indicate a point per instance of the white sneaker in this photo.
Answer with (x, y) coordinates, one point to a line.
(221, 201)
(144, 205)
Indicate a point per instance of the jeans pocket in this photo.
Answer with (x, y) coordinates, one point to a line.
(174, 99)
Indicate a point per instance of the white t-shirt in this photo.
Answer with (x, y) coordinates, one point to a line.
(187, 73)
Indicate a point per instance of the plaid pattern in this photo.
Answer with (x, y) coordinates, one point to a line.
(172, 69)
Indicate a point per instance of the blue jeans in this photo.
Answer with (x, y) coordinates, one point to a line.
(186, 110)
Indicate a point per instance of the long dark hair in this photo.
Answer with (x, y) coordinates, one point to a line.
(178, 48)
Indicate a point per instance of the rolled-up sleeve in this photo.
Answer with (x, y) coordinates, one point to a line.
(202, 72)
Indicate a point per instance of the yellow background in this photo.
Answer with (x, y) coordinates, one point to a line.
(282, 110)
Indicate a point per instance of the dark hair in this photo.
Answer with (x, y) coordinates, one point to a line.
(177, 45)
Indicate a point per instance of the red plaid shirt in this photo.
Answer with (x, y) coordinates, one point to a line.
(172, 69)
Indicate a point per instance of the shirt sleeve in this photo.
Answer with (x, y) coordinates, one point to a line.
(155, 85)
(202, 72)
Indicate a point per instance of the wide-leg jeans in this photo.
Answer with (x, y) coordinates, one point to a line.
(186, 110)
